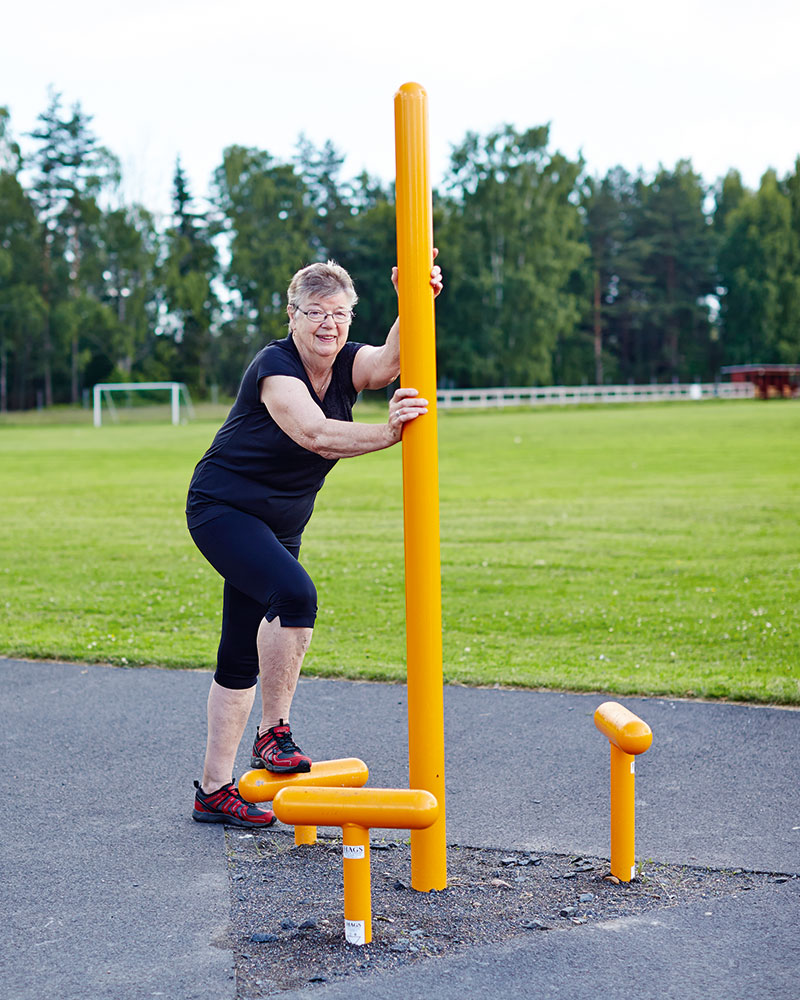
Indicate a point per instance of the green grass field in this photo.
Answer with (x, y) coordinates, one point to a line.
(644, 548)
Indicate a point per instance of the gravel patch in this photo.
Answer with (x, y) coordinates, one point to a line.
(287, 904)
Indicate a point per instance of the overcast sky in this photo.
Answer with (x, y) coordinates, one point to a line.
(631, 83)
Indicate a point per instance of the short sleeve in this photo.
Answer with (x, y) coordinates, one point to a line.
(344, 366)
(275, 360)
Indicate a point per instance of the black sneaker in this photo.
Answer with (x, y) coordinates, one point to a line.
(278, 752)
(227, 806)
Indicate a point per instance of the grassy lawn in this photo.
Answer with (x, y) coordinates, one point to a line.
(647, 548)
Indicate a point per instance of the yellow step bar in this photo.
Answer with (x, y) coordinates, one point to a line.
(260, 785)
(357, 811)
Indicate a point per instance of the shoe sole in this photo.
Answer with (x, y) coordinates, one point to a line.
(301, 768)
(202, 817)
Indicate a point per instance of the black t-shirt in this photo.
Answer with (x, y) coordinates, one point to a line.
(253, 465)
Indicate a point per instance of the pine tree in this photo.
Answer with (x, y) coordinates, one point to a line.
(327, 196)
(679, 259)
(71, 171)
(758, 256)
(268, 225)
(518, 239)
(22, 309)
(188, 273)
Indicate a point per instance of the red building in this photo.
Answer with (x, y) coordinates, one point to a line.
(771, 381)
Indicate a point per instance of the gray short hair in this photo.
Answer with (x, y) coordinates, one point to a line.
(320, 281)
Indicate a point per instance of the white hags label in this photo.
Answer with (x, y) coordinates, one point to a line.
(633, 767)
(354, 932)
(633, 872)
(353, 851)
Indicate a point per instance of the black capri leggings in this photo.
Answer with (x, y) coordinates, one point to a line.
(263, 579)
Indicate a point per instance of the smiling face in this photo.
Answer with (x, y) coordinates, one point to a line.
(319, 342)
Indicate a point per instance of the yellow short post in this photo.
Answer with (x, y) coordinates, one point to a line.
(357, 811)
(305, 835)
(420, 480)
(628, 736)
(260, 785)
(357, 884)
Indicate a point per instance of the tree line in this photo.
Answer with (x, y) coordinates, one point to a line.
(553, 276)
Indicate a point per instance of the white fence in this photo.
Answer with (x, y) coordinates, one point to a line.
(561, 395)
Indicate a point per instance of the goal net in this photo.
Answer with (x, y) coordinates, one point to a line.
(178, 395)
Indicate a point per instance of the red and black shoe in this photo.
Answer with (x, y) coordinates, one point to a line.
(277, 751)
(227, 806)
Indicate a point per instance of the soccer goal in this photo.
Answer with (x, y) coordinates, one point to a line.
(103, 392)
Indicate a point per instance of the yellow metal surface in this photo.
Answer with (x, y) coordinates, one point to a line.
(623, 822)
(260, 785)
(305, 835)
(357, 888)
(420, 479)
(624, 729)
(392, 808)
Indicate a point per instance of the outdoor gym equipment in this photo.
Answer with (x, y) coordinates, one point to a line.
(317, 797)
(357, 811)
(628, 736)
(420, 480)
(260, 785)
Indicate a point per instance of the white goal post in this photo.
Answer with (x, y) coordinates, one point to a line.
(177, 391)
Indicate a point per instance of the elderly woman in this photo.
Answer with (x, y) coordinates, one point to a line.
(250, 497)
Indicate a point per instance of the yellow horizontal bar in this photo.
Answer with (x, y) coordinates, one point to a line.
(260, 785)
(392, 808)
(624, 729)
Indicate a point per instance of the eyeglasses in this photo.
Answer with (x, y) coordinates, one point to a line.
(340, 316)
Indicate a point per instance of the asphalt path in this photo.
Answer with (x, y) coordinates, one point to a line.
(111, 891)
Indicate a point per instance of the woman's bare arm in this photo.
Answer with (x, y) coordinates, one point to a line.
(291, 407)
(377, 367)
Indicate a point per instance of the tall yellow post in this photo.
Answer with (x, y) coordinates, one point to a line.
(420, 480)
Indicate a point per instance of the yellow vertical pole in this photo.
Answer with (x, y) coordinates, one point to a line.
(357, 885)
(420, 480)
(623, 822)
(628, 736)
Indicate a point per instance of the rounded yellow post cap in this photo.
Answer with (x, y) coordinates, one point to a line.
(260, 785)
(624, 729)
(391, 808)
(410, 90)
